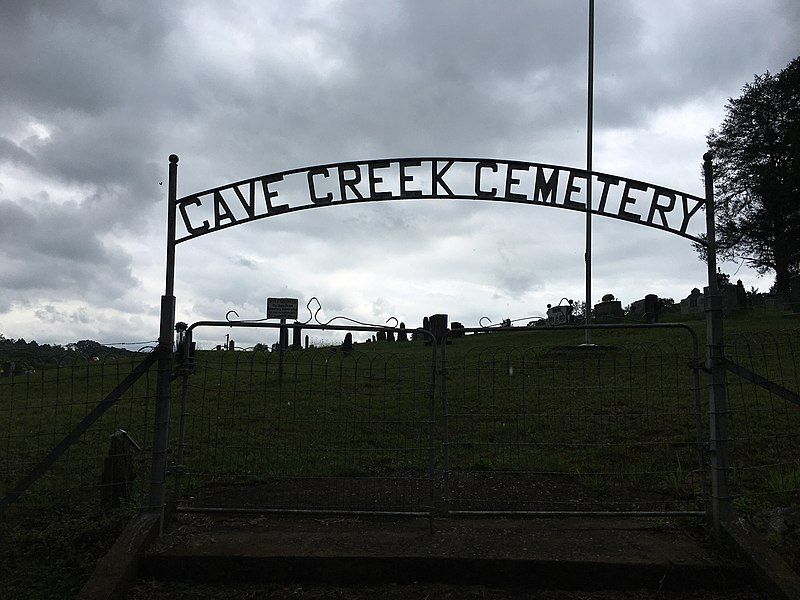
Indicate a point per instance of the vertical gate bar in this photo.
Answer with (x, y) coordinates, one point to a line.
(182, 434)
(445, 429)
(165, 338)
(698, 419)
(283, 336)
(718, 401)
(437, 495)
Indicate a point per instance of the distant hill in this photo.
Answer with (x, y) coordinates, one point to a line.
(30, 355)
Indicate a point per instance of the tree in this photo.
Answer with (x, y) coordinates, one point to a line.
(757, 169)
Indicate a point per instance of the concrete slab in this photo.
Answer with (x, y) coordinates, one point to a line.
(572, 553)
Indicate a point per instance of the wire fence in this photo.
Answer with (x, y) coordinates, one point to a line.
(764, 427)
(494, 420)
(106, 462)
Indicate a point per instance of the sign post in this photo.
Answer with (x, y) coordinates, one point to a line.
(282, 308)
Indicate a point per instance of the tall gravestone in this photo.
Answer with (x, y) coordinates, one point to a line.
(438, 326)
(382, 335)
(401, 335)
(741, 294)
(426, 325)
(297, 332)
(652, 307)
(306, 342)
(347, 344)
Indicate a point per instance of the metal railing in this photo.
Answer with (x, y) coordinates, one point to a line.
(530, 428)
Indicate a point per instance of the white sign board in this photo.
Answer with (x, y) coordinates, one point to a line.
(282, 308)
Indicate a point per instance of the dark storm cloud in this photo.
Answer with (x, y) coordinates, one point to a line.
(81, 56)
(49, 248)
(95, 95)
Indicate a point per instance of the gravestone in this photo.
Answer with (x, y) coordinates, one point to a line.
(741, 294)
(457, 329)
(231, 345)
(306, 342)
(402, 336)
(390, 336)
(438, 326)
(382, 335)
(426, 325)
(347, 344)
(609, 311)
(559, 315)
(652, 307)
(693, 303)
(297, 332)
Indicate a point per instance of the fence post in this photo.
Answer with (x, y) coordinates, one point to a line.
(718, 400)
(157, 499)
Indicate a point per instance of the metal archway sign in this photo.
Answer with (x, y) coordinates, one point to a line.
(444, 179)
(434, 178)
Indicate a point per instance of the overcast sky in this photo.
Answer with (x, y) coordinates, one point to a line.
(95, 95)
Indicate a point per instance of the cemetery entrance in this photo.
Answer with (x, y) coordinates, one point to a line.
(496, 419)
(509, 420)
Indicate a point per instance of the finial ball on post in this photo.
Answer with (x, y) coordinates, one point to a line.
(173, 158)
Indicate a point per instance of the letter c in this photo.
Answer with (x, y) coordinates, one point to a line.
(193, 231)
(328, 198)
(478, 191)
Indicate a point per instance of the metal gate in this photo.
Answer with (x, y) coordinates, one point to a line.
(509, 420)
(347, 428)
(537, 423)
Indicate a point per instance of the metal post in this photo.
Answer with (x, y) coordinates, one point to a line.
(589, 126)
(283, 339)
(718, 401)
(442, 502)
(157, 498)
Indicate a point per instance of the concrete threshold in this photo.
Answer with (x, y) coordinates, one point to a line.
(566, 554)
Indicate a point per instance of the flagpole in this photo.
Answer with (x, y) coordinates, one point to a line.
(589, 125)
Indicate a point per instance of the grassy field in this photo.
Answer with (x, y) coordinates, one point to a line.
(610, 429)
